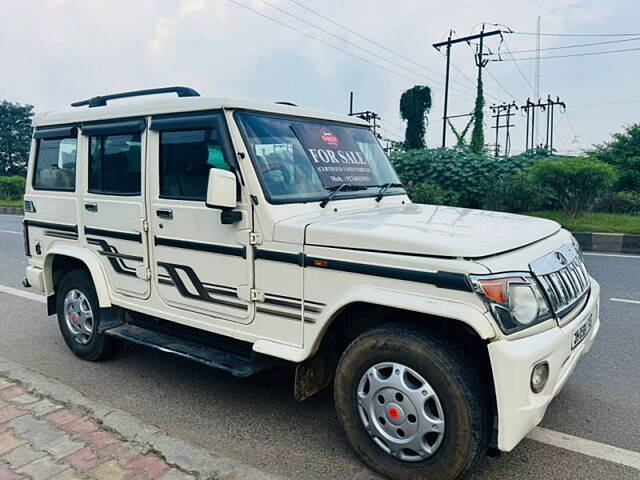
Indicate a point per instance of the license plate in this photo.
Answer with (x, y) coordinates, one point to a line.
(581, 332)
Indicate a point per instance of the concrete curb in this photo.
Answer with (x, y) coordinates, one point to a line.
(11, 211)
(608, 242)
(180, 454)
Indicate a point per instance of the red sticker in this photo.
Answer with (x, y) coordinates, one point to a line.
(329, 138)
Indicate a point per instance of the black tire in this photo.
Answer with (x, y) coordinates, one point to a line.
(99, 346)
(456, 381)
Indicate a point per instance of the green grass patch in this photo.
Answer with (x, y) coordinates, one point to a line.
(595, 222)
(10, 203)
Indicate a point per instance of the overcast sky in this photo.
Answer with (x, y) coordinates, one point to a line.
(58, 51)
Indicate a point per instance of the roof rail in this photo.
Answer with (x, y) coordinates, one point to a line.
(101, 101)
(286, 103)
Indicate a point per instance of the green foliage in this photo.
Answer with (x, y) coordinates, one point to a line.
(620, 202)
(594, 221)
(516, 193)
(460, 136)
(458, 171)
(11, 188)
(415, 103)
(477, 135)
(15, 137)
(576, 183)
(431, 194)
(623, 151)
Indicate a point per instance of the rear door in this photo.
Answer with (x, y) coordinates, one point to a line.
(199, 263)
(113, 209)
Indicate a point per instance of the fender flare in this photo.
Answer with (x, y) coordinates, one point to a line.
(91, 262)
(464, 312)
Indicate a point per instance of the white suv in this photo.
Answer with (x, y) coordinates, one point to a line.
(245, 236)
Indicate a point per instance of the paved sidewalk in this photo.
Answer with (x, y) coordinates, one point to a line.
(49, 431)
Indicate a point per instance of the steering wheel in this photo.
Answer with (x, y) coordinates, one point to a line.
(276, 167)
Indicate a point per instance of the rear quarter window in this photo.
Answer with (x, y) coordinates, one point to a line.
(55, 165)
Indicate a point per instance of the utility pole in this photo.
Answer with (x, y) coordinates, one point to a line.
(503, 111)
(537, 71)
(367, 115)
(448, 43)
(551, 104)
(530, 110)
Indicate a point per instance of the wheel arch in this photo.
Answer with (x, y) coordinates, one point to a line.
(63, 258)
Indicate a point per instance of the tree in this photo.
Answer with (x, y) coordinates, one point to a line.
(415, 103)
(15, 137)
(477, 135)
(623, 151)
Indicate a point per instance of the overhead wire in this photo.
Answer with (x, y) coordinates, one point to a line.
(513, 59)
(547, 34)
(579, 45)
(585, 54)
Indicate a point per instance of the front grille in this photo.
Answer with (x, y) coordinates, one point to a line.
(563, 276)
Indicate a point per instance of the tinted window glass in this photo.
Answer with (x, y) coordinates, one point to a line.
(55, 164)
(185, 160)
(114, 164)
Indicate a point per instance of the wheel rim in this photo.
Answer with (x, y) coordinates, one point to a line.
(78, 316)
(401, 411)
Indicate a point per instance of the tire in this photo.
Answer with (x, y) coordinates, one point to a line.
(464, 404)
(91, 346)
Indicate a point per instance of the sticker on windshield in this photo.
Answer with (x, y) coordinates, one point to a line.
(335, 155)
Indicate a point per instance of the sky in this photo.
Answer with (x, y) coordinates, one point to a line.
(58, 51)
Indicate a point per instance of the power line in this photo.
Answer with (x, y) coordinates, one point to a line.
(377, 44)
(331, 34)
(619, 102)
(580, 34)
(575, 54)
(513, 59)
(286, 25)
(499, 84)
(578, 45)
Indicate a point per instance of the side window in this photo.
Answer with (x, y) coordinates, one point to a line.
(55, 167)
(114, 164)
(185, 160)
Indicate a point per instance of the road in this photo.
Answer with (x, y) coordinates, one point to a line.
(256, 420)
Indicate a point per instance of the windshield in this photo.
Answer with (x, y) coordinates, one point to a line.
(301, 160)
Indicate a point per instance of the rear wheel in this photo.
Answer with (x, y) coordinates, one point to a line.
(411, 405)
(79, 317)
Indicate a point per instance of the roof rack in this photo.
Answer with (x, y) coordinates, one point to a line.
(101, 101)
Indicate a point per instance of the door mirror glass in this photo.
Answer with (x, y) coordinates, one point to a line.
(221, 189)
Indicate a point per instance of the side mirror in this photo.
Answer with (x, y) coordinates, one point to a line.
(221, 189)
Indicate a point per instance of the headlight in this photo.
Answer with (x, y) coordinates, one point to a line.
(514, 299)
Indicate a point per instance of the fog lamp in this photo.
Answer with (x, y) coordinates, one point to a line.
(539, 377)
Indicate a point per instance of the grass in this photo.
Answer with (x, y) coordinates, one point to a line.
(10, 203)
(595, 222)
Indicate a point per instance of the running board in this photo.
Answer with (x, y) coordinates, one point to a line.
(234, 363)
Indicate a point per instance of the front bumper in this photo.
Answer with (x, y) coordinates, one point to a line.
(519, 409)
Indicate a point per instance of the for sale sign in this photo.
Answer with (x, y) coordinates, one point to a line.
(334, 154)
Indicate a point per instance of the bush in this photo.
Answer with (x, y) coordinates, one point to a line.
(629, 171)
(429, 193)
(516, 193)
(11, 188)
(577, 183)
(458, 171)
(620, 202)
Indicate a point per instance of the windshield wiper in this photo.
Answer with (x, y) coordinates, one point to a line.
(339, 188)
(383, 189)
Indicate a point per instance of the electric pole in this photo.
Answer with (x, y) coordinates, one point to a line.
(367, 115)
(448, 43)
(551, 104)
(503, 111)
(530, 109)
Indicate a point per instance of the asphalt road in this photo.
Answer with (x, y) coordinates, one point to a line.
(256, 420)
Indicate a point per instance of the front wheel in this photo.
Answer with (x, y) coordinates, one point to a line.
(411, 405)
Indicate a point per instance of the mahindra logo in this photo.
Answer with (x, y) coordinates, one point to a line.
(561, 258)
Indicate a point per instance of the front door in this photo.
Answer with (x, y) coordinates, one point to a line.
(113, 209)
(199, 263)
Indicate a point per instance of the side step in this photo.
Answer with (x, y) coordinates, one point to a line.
(235, 363)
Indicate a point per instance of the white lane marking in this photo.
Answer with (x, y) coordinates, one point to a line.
(625, 300)
(610, 255)
(602, 451)
(21, 293)
(10, 231)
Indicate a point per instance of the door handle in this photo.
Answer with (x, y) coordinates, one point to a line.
(165, 213)
(91, 207)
